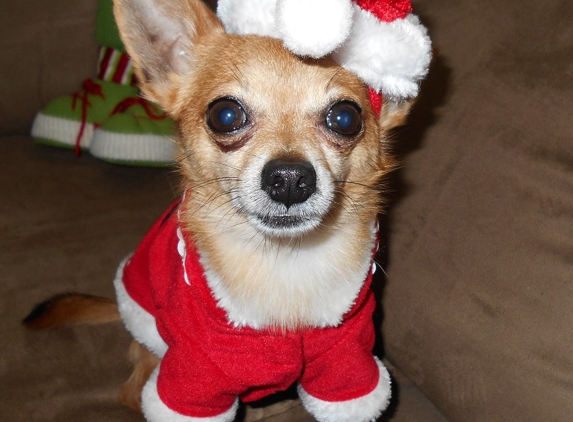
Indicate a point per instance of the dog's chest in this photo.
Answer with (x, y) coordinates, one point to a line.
(289, 286)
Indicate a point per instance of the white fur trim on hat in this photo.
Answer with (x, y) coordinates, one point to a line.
(248, 17)
(139, 322)
(363, 409)
(155, 410)
(314, 27)
(391, 57)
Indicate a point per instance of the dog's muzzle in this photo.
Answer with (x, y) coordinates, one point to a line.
(285, 197)
(288, 182)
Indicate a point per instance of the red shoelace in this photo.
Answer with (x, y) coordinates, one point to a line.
(149, 108)
(89, 88)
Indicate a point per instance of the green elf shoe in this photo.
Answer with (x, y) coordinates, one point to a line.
(71, 121)
(137, 133)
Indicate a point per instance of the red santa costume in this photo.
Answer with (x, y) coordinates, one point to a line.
(208, 363)
(163, 294)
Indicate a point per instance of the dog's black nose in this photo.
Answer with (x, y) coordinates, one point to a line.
(288, 182)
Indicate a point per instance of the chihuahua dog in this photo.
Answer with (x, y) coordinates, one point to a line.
(259, 276)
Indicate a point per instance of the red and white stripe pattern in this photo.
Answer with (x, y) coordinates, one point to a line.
(115, 66)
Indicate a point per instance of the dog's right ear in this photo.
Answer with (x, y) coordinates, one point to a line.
(160, 36)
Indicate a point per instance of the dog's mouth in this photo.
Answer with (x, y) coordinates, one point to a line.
(283, 222)
(284, 225)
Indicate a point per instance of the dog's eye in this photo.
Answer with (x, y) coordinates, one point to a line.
(226, 115)
(344, 118)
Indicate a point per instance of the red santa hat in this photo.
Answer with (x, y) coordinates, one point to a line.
(381, 41)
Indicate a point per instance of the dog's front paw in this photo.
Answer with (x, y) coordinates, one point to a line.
(362, 409)
(155, 409)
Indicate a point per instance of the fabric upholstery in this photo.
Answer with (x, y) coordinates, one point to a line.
(478, 302)
(479, 237)
(65, 224)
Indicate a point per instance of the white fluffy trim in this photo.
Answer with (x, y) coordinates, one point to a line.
(363, 409)
(248, 17)
(391, 57)
(139, 322)
(155, 410)
(314, 27)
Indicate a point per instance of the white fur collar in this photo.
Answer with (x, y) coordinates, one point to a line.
(312, 284)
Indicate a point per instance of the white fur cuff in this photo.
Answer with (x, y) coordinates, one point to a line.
(139, 322)
(155, 410)
(363, 409)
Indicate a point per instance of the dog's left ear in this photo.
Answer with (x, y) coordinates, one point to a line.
(160, 36)
(394, 114)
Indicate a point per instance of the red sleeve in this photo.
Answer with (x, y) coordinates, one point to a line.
(178, 388)
(340, 365)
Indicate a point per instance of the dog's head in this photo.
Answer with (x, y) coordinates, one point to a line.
(282, 159)
(271, 143)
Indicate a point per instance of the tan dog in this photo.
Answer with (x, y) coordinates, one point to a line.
(281, 197)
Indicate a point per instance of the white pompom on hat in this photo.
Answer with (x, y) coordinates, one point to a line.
(381, 41)
(314, 28)
(245, 17)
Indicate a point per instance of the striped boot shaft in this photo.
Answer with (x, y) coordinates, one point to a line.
(115, 66)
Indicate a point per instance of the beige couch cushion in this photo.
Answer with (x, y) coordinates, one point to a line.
(479, 299)
(65, 224)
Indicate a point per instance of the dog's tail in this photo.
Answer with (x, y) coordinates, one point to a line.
(70, 309)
